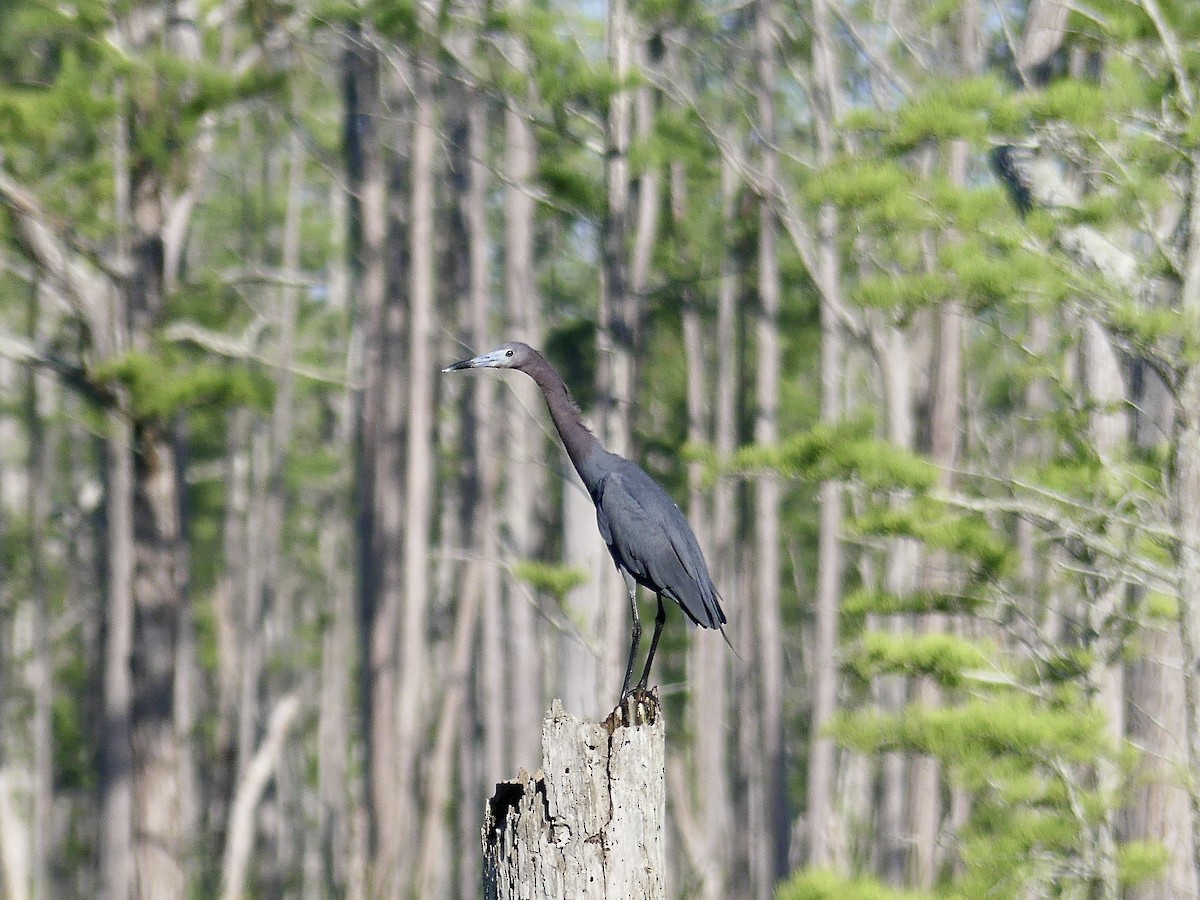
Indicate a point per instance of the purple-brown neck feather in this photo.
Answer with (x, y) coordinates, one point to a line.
(582, 446)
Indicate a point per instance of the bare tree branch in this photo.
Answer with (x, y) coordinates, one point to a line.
(22, 351)
(240, 840)
(244, 348)
(83, 280)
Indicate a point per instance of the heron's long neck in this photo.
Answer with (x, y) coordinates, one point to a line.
(582, 446)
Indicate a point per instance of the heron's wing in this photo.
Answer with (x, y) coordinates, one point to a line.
(649, 536)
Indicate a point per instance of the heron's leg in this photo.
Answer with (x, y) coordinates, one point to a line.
(659, 620)
(631, 585)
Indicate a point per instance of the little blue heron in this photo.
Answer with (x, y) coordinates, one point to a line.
(646, 533)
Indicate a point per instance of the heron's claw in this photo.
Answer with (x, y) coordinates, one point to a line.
(636, 707)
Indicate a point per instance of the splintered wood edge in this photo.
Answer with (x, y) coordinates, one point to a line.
(637, 708)
(507, 798)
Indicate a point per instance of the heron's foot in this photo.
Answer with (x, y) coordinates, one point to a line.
(637, 707)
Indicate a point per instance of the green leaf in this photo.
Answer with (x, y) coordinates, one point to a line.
(822, 884)
(160, 387)
(865, 602)
(558, 581)
(946, 658)
(1002, 726)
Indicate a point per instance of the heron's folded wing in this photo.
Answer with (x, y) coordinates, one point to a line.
(648, 535)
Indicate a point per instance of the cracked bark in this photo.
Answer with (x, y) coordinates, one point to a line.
(589, 824)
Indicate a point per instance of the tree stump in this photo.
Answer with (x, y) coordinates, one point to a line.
(589, 824)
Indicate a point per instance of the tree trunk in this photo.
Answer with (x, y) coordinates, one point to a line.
(1158, 808)
(768, 493)
(115, 749)
(228, 603)
(157, 585)
(1186, 512)
(713, 762)
(900, 579)
(338, 839)
(14, 842)
(116, 786)
(379, 420)
(707, 662)
(282, 617)
(821, 764)
(433, 861)
(924, 786)
(616, 318)
(945, 430)
(525, 475)
(419, 469)
(188, 691)
(336, 783)
(924, 777)
(1103, 599)
(41, 667)
(158, 851)
(478, 768)
(589, 825)
(646, 222)
(1187, 517)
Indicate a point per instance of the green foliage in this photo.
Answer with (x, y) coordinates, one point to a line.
(948, 111)
(566, 75)
(74, 752)
(903, 294)
(1031, 815)
(572, 178)
(867, 602)
(839, 452)
(169, 97)
(160, 386)
(1070, 665)
(822, 884)
(555, 580)
(968, 535)
(969, 208)
(1074, 101)
(315, 469)
(396, 19)
(1009, 851)
(1162, 607)
(986, 275)
(1150, 328)
(946, 658)
(37, 116)
(853, 183)
(1011, 725)
(677, 137)
(1140, 861)
(1112, 20)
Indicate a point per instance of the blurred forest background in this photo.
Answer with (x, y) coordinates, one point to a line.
(900, 298)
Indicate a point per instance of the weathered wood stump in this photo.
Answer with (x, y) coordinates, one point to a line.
(589, 824)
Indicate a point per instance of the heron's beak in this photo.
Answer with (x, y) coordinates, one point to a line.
(487, 361)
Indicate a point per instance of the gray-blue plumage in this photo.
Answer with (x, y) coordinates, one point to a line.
(649, 537)
(646, 532)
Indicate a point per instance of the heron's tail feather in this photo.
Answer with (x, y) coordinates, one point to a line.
(729, 643)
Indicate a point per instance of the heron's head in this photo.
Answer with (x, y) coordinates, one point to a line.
(512, 355)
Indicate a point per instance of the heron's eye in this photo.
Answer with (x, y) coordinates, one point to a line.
(509, 353)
